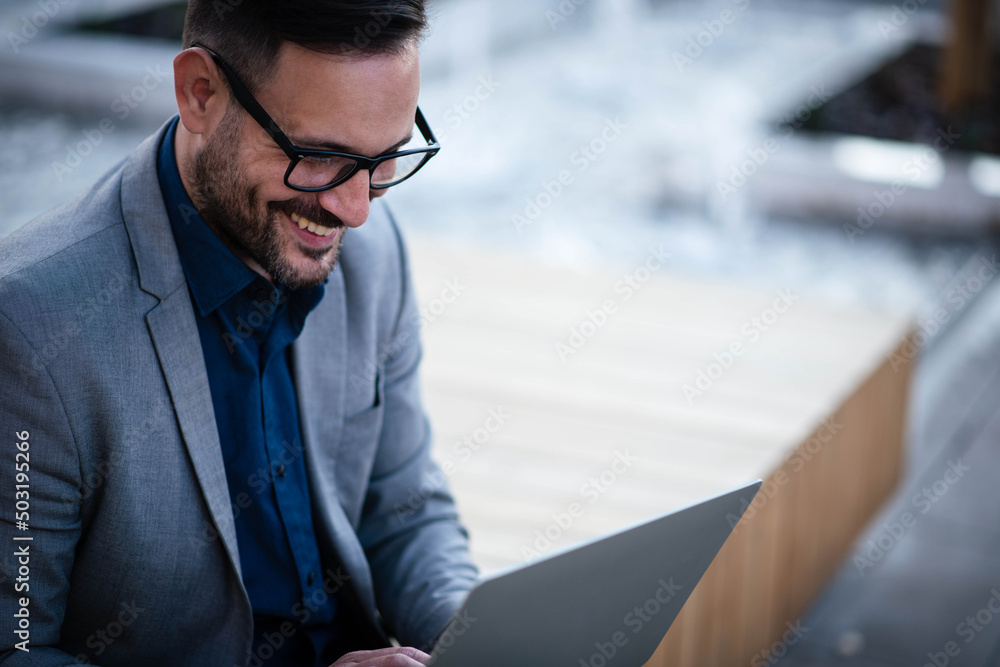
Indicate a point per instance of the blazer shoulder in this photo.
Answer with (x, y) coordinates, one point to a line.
(77, 249)
(375, 263)
(64, 228)
(378, 240)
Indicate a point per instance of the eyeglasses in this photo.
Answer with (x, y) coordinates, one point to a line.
(317, 170)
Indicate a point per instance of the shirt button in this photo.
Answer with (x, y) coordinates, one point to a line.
(279, 470)
(311, 578)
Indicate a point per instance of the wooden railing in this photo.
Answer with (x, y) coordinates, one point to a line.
(552, 430)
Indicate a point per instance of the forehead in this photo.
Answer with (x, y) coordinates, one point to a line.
(362, 100)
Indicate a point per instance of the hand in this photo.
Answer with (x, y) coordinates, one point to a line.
(384, 657)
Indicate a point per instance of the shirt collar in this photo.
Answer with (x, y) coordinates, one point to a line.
(213, 272)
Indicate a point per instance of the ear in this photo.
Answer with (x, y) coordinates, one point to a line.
(202, 97)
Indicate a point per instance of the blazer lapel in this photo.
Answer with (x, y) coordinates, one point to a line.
(174, 333)
(175, 337)
(320, 362)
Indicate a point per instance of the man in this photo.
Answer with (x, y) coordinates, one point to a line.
(217, 451)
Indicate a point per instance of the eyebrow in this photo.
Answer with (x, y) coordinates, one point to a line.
(313, 143)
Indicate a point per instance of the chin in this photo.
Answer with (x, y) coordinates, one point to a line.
(305, 271)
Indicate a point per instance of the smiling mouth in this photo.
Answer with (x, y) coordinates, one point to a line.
(306, 223)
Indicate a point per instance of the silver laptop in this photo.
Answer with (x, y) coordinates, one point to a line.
(605, 603)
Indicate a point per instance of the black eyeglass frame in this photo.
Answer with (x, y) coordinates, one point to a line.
(296, 154)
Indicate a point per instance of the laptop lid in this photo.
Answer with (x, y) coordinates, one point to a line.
(605, 603)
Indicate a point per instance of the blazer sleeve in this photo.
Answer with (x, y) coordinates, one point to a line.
(416, 547)
(35, 571)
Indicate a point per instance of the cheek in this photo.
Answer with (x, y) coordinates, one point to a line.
(265, 170)
(268, 179)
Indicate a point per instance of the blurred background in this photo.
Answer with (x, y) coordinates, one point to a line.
(846, 152)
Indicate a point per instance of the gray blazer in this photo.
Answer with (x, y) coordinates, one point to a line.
(133, 558)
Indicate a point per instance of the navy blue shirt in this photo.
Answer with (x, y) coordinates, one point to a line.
(246, 326)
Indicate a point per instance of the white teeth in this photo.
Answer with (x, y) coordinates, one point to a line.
(305, 223)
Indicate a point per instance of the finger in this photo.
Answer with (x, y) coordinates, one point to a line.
(415, 653)
(405, 656)
(397, 657)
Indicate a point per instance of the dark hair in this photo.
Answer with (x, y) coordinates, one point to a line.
(249, 33)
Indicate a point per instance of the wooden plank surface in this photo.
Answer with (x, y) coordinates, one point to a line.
(606, 435)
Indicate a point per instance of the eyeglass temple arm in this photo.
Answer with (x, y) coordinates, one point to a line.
(253, 107)
(425, 128)
(248, 102)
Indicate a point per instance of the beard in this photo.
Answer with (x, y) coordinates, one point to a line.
(231, 205)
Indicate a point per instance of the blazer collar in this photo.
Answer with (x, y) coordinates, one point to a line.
(146, 221)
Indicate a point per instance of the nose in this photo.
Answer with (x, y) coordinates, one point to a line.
(349, 200)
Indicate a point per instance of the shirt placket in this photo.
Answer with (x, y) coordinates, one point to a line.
(285, 456)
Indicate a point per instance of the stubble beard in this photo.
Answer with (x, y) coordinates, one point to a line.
(231, 205)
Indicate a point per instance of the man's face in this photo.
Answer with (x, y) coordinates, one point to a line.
(363, 105)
